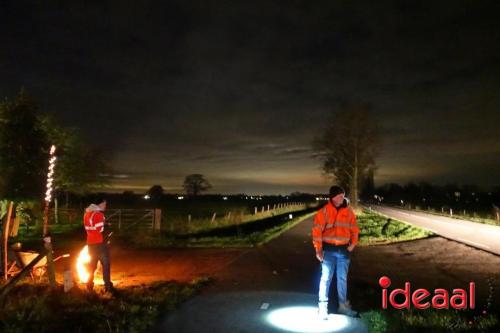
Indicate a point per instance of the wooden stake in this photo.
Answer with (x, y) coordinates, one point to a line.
(50, 261)
(5, 239)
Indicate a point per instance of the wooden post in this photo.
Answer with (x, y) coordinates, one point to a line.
(50, 261)
(451, 212)
(56, 211)
(157, 219)
(213, 217)
(189, 218)
(268, 207)
(255, 209)
(229, 216)
(262, 209)
(5, 239)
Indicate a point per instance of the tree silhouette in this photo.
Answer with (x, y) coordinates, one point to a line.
(194, 184)
(348, 147)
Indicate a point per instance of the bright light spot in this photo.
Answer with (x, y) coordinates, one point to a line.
(180, 198)
(305, 319)
(81, 264)
(290, 216)
(317, 198)
(147, 197)
(224, 198)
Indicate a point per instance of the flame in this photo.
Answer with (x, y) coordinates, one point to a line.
(82, 263)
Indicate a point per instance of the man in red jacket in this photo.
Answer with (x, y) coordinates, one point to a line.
(93, 221)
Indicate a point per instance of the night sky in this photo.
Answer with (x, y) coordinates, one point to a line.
(236, 90)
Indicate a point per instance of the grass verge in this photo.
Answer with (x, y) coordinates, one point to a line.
(242, 240)
(35, 308)
(377, 229)
(379, 321)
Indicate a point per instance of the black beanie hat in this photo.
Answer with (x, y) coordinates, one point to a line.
(336, 190)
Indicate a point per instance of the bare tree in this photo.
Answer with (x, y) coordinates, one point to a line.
(348, 147)
(195, 184)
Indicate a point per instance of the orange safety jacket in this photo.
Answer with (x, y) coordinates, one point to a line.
(93, 221)
(335, 226)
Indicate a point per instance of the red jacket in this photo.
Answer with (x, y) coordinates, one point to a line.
(335, 226)
(93, 221)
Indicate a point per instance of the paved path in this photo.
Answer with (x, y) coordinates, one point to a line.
(271, 288)
(482, 236)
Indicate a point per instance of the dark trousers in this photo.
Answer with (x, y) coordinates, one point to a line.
(100, 252)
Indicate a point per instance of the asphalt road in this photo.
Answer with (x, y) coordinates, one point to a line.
(481, 236)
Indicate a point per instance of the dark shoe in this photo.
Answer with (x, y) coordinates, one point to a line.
(345, 309)
(110, 289)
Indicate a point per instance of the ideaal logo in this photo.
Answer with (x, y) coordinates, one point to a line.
(423, 299)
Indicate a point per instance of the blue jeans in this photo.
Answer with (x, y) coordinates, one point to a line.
(100, 252)
(334, 261)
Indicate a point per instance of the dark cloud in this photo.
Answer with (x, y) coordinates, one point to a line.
(237, 90)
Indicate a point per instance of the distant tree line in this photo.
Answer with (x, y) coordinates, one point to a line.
(426, 195)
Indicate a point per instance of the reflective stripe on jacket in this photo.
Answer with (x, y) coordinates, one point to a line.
(335, 226)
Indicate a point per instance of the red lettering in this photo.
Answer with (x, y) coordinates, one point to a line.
(442, 295)
(472, 295)
(459, 299)
(384, 299)
(420, 295)
(419, 298)
(405, 292)
(384, 282)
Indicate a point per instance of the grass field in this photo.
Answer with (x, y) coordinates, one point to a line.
(251, 233)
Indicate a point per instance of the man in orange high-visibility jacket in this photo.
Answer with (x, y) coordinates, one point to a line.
(335, 234)
(93, 221)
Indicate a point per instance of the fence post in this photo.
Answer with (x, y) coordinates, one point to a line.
(451, 212)
(120, 220)
(255, 209)
(268, 207)
(213, 217)
(262, 209)
(157, 219)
